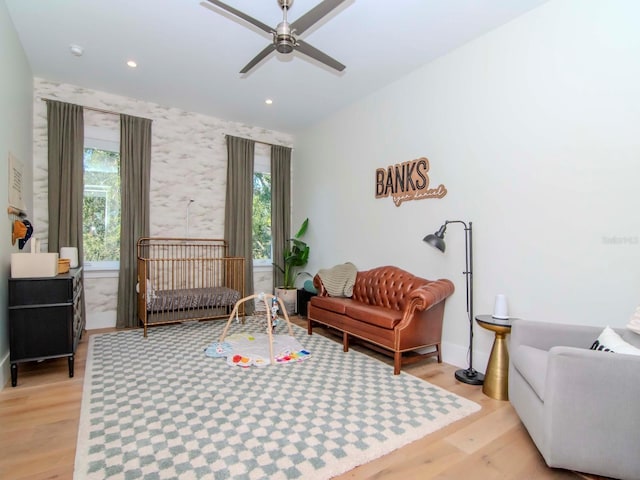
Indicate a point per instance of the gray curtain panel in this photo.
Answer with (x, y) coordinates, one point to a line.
(65, 125)
(280, 206)
(135, 168)
(238, 218)
(65, 140)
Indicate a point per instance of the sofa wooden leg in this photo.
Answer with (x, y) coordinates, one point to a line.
(397, 362)
(439, 350)
(309, 327)
(345, 342)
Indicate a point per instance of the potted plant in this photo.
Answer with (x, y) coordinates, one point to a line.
(294, 256)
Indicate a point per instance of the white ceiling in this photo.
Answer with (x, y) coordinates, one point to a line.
(189, 52)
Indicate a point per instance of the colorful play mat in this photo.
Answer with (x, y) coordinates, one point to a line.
(252, 349)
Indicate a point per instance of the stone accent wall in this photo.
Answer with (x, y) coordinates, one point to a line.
(189, 158)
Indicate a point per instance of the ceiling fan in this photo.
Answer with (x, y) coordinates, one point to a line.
(285, 35)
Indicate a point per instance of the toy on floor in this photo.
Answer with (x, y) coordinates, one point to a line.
(252, 349)
(274, 314)
(218, 349)
(271, 314)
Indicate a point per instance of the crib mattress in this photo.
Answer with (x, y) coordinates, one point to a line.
(191, 298)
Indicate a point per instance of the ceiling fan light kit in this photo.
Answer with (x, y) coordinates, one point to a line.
(284, 42)
(284, 35)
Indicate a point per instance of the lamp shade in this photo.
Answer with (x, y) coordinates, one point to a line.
(436, 242)
(437, 239)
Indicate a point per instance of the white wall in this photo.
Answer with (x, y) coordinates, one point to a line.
(188, 161)
(534, 130)
(16, 87)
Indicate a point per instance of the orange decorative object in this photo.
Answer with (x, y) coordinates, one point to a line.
(19, 231)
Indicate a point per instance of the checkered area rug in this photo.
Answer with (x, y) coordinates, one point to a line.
(159, 408)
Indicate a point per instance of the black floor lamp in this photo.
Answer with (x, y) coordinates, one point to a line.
(469, 375)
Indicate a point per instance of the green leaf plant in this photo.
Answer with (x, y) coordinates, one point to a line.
(295, 256)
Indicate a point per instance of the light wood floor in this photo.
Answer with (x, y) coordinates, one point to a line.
(39, 423)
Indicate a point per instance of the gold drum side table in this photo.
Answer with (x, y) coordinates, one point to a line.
(496, 379)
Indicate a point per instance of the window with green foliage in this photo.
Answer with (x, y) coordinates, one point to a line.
(262, 211)
(101, 207)
(262, 216)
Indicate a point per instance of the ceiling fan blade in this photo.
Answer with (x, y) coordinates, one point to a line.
(242, 15)
(313, 15)
(304, 47)
(267, 50)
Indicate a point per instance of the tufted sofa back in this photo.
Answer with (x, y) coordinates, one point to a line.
(386, 287)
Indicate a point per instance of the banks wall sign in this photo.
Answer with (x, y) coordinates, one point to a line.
(407, 181)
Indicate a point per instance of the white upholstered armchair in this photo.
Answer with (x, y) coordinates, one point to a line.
(580, 406)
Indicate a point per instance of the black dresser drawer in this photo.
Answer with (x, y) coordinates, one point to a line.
(37, 333)
(42, 291)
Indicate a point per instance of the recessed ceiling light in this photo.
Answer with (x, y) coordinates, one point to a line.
(76, 50)
(132, 64)
(268, 101)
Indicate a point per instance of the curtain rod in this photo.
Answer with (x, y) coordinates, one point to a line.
(258, 141)
(110, 112)
(94, 109)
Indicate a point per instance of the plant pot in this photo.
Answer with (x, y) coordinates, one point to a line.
(289, 297)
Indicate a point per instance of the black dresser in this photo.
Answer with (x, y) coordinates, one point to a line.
(45, 318)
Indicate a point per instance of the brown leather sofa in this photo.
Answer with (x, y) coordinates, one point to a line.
(391, 309)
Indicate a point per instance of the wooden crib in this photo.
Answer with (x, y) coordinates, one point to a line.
(184, 279)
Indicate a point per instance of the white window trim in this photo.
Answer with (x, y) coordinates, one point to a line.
(262, 264)
(103, 139)
(100, 272)
(262, 164)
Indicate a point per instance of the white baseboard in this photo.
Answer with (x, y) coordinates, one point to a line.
(5, 371)
(101, 320)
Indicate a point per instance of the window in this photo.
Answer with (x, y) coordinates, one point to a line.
(101, 204)
(262, 211)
